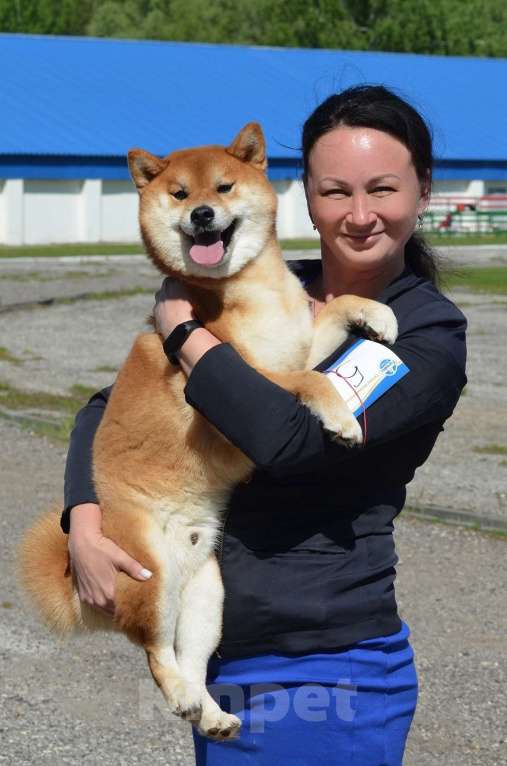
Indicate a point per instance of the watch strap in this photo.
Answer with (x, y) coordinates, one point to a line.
(177, 338)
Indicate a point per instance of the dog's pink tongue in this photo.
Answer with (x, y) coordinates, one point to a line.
(207, 255)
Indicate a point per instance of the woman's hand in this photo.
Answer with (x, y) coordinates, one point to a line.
(172, 307)
(96, 560)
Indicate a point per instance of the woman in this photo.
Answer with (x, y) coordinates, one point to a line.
(314, 656)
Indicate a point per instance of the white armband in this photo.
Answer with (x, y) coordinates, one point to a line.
(365, 372)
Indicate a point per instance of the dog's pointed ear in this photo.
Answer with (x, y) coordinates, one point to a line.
(250, 146)
(144, 167)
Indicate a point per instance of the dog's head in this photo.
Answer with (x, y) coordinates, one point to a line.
(206, 212)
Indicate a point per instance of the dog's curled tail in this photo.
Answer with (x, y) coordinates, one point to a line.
(44, 572)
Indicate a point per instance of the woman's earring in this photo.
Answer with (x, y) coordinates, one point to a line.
(420, 221)
(314, 227)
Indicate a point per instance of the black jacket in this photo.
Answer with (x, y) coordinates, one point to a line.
(308, 555)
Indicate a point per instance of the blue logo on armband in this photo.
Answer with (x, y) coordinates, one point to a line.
(388, 366)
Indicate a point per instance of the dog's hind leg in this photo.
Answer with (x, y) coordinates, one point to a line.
(182, 696)
(197, 636)
(147, 611)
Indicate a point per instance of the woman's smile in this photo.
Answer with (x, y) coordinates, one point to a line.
(372, 236)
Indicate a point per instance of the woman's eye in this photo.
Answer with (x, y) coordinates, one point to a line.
(180, 194)
(383, 189)
(335, 193)
(224, 188)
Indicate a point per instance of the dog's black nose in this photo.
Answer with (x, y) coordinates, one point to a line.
(202, 215)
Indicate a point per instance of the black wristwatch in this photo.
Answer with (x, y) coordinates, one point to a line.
(177, 338)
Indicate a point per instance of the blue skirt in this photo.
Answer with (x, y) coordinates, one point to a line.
(352, 707)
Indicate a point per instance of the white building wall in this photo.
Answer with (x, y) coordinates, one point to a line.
(94, 210)
(462, 187)
(119, 205)
(90, 212)
(3, 205)
(292, 219)
(11, 211)
(51, 212)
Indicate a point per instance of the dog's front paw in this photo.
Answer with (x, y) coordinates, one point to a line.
(378, 321)
(345, 429)
(335, 416)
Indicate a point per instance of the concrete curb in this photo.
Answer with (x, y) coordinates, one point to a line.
(74, 259)
(45, 302)
(476, 521)
(63, 299)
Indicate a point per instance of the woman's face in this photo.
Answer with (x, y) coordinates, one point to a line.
(364, 197)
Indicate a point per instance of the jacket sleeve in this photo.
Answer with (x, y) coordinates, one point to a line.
(279, 433)
(78, 485)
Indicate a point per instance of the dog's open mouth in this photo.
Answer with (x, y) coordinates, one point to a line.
(209, 246)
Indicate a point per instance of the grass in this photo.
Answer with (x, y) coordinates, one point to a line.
(52, 251)
(43, 413)
(479, 279)
(491, 449)
(136, 248)
(299, 244)
(106, 368)
(107, 295)
(111, 248)
(40, 276)
(414, 514)
(7, 356)
(455, 240)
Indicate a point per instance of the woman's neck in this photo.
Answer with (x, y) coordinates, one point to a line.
(336, 280)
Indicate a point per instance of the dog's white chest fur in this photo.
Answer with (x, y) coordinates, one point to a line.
(278, 333)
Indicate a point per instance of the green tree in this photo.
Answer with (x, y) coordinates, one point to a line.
(116, 19)
(323, 23)
(446, 27)
(55, 17)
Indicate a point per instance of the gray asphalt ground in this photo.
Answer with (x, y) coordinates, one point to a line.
(91, 700)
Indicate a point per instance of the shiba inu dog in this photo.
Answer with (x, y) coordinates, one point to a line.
(163, 474)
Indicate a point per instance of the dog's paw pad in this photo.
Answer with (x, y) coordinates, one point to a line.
(224, 726)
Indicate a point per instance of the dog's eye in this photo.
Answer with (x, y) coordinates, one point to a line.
(180, 194)
(224, 188)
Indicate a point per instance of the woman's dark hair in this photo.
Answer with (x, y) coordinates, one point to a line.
(373, 106)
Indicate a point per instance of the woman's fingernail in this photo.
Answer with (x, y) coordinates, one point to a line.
(146, 573)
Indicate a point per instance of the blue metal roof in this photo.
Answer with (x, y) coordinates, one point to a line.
(89, 97)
